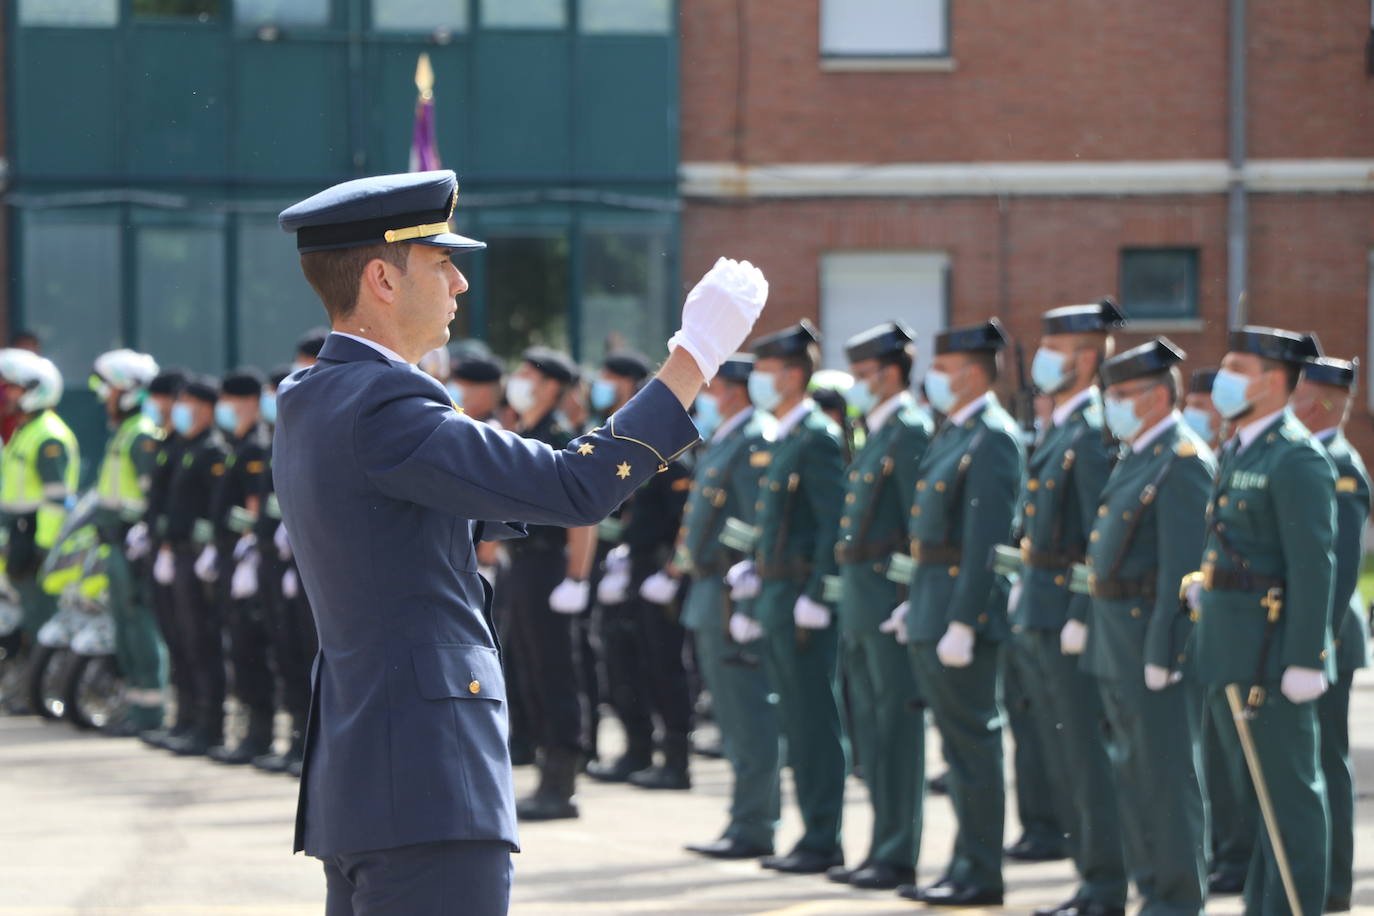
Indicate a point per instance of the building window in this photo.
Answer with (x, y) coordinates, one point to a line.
(69, 13)
(524, 14)
(276, 305)
(885, 28)
(527, 288)
(426, 16)
(626, 17)
(180, 299)
(1159, 284)
(625, 277)
(204, 10)
(281, 12)
(860, 289)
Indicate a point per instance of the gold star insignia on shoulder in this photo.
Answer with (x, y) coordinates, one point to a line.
(623, 470)
(586, 448)
(456, 408)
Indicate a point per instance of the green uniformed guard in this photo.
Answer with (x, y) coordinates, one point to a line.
(1322, 404)
(887, 720)
(120, 380)
(1264, 596)
(725, 486)
(798, 512)
(955, 618)
(1148, 535)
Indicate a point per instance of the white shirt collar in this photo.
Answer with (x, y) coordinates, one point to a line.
(1147, 438)
(1250, 431)
(1061, 413)
(794, 416)
(1328, 434)
(969, 409)
(732, 424)
(879, 415)
(385, 351)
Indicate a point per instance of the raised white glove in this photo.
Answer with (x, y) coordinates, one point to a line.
(1013, 597)
(1302, 685)
(244, 582)
(136, 543)
(660, 588)
(283, 542)
(895, 623)
(955, 648)
(1073, 637)
(243, 545)
(1158, 677)
(570, 597)
(743, 581)
(719, 313)
(612, 589)
(810, 615)
(164, 567)
(290, 584)
(744, 629)
(207, 564)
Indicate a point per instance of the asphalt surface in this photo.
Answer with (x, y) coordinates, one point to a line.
(98, 826)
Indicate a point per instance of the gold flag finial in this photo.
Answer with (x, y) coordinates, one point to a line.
(424, 76)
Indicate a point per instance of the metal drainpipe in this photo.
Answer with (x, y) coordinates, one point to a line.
(1237, 227)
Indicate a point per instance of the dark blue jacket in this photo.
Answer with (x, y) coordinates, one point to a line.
(384, 488)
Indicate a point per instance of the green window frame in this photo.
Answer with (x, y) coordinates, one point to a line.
(1160, 284)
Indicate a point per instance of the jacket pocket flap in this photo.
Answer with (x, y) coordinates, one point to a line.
(451, 670)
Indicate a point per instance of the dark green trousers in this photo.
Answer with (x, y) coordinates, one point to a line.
(138, 643)
(742, 703)
(1034, 794)
(1154, 751)
(1333, 715)
(964, 702)
(38, 606)
(801, 668)
(1068, 712)
(887, 730)
(1234, 814)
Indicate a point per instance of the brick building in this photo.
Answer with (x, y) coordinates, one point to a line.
(946, 160)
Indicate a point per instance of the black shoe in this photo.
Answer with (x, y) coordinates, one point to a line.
(1224, 883)
(247, 751)
(1090, 908)
(620, 770)
(158, 737)
(1031, 850)
(546, 807)
(729, 848)
(803, 862)
(661, 777)
(1338, 904)
(939, 785)
(840, 874)
(1071, 904)
(879, 876)
(195, 744)
(951, 893)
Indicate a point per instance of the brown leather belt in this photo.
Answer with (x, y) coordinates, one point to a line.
(852, 552)
(1237, 580)
(936, 554)
(788, 569)
(1044, 559)
(1143, 589)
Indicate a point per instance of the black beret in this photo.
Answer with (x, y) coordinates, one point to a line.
(1102, 315)
(552, 363)
(168, 381)
(469, 348)
(1201, 381)
(1152, 357)
(737, 368)
(986, 336)
(888, 337)
(1326, 370)
(627, 363)
(278, 375)
(828, 399)
(478, 369)
(1274, 343)
(202, 388)
(787, 342)
(311, 342)
(246, 382)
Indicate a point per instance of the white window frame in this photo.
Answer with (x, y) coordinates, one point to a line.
(833, 338)
(844, 59)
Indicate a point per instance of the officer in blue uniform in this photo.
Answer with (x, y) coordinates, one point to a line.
(385, 487)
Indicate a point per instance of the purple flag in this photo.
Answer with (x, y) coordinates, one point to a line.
(424, 145)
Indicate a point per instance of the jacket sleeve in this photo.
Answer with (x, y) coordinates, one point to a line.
(994, 480)
(1302, 486)
(1352, 512)
(414, 446)
(1089, 479)
(823, 472)
(1181, 531)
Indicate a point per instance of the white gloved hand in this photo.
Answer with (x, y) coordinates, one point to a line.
(1193, 595)
(1302, 685)
(612, 589)
(1157, 677)
(290, 584)
(660, 588)
(1014, 597)
(207, 564)
(1073, 637)
(136, 542)
(244, 583)
(955, 648)
(570, 596)
(744, 629)
(719, 313)
(810, 615)
(895, 624)
(245, 543)
(164, 567)
(743, 581)
(283, 542)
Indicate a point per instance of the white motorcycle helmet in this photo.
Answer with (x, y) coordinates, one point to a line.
(37, 375)
(127, 371)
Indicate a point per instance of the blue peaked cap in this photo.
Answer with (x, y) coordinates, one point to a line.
(409, 207)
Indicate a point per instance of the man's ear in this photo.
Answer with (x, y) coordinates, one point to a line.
(379, 280)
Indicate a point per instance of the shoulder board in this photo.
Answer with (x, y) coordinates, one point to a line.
(255, 467)
(1347, 485)
(52, 450)
(1185, 449)
(217, 469)
(1293, 433)
(760, 459)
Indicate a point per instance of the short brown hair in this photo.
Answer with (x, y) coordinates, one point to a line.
(334, 273)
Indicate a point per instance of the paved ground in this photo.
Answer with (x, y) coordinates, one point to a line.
(98, 826)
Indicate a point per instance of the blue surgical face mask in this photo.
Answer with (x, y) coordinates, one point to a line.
(152, 411)
(862, 398)
(939, 391)
(455, 393)
(763, 390)
(1201, 422)
(1228, 393)
(707, 416)
(603, 394)
(226, 417)
(268, 405)
(1121, 418)
(182, 418)
(1047, 370)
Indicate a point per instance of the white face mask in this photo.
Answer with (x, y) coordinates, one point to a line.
(520, 393)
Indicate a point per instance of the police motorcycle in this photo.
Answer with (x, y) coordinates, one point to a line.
(12, 680)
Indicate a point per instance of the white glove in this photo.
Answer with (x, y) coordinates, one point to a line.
(612, 589)
(244, 583)
(164, 567)
(719, 313)
(570, 597)
(1193, 596)
(810, 615)
(955, 648)
(1073, 637)
(744, 629)
(1013, 597)
(1158, 677)
(660, 588)
(245, 543)
(290, 584)
(136, 543)
(1303, 685)
(743, 581)
(283, 542)
(895, 623)
(207, 564)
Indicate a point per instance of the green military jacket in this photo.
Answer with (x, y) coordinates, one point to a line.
(798, 508)
(1066, 473)
(878, 491)
(1274, 507)
(965, 499)
(1147, 536)
(1352, 512)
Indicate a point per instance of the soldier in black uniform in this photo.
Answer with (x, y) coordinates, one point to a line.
(478, 381)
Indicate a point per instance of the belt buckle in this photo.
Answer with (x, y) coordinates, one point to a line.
(1208, 575)
(1025, 551)
(915, 550)
(1092, 585)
